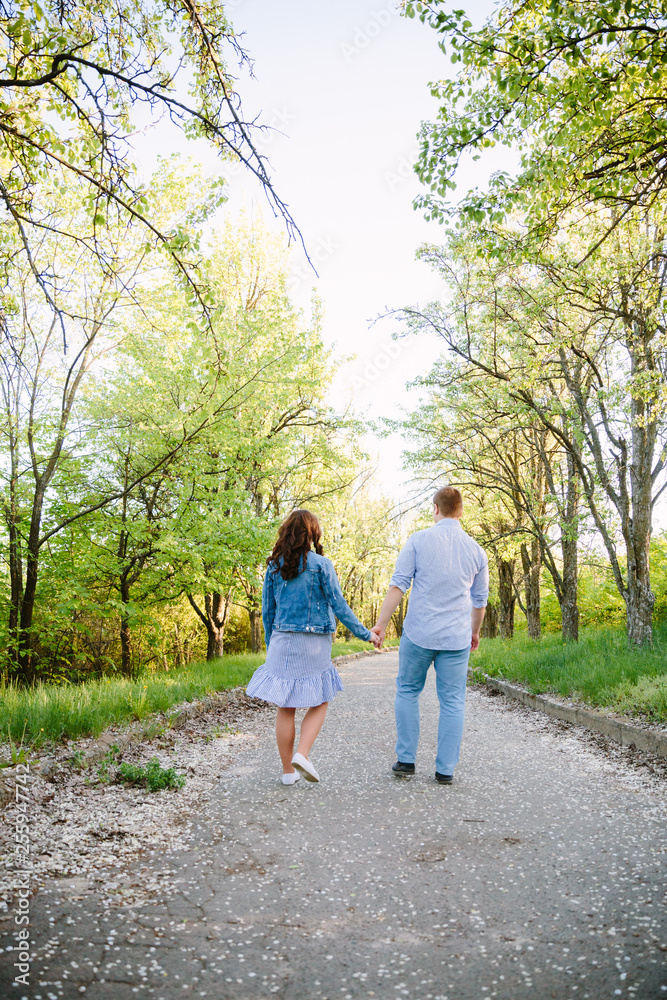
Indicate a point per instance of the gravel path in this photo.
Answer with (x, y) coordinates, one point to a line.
(540, 872)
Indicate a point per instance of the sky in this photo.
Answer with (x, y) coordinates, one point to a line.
(344, 86)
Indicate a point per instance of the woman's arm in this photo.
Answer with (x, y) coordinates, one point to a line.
(341, 608)
(268, 605)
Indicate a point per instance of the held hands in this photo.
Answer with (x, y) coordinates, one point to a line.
(377, 636)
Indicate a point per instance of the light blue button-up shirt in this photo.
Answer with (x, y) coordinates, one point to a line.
(449, 573)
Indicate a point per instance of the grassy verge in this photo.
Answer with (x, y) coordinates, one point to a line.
(599, 670)
(56, 712)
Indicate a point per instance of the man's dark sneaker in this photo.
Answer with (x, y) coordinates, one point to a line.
(444, 779)
(401, 769)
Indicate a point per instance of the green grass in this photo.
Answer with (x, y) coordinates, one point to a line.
(57, 712)
(600, 669)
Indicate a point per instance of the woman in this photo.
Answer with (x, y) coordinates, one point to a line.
(301, 594)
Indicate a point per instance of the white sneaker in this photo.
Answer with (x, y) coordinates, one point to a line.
(303, 765)
(291, 779)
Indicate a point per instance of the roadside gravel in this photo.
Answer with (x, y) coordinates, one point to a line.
(81, 821)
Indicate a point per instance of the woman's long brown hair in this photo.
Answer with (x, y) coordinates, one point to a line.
(296, 535)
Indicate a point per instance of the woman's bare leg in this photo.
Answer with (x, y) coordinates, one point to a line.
(313, 721)
(285, 735)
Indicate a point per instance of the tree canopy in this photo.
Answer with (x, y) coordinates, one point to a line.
(577, 88)
(77, 80)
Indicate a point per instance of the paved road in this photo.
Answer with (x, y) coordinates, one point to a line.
(538, 873)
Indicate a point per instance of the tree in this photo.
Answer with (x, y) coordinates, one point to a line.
(363, 533)
(72, 80)
(39, 393)
(203, 524)
(45, 429)
(471, 430)
(287, 446)
(582, 349)
(578, 87)
(462, 440)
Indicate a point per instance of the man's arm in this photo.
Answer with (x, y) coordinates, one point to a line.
(389, 605)
(479, 592)
(399, 584)
(477, 617)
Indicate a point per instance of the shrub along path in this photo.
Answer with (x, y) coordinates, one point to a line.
(538, 872)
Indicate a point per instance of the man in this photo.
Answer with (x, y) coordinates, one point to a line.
(449, 573)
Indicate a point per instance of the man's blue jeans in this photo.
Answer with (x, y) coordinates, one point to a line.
(451, 674)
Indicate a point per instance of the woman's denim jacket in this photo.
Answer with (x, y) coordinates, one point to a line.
(308, 602)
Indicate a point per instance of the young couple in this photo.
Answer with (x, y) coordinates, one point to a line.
(302, 598)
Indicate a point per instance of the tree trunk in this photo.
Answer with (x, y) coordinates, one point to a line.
(639, 615)
(531, 561)
(215, 644)
(13, 517)
(256, 630)
(639, 599)
(569, 608)
(125, 631)
(506, 598)
(125, 646)
(15, 581)
(30, 591)
(398, 616)
(214, 618)
(218, 607)
(179, 656)
(569, 605)
(489, 629)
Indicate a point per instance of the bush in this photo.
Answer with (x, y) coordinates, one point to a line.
(153, 776)
(237, 631)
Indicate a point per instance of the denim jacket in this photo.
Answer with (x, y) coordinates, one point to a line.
(307, 603)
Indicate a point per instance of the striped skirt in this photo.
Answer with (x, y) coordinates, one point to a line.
(298, 672)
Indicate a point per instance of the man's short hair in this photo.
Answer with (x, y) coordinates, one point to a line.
(449, 501)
